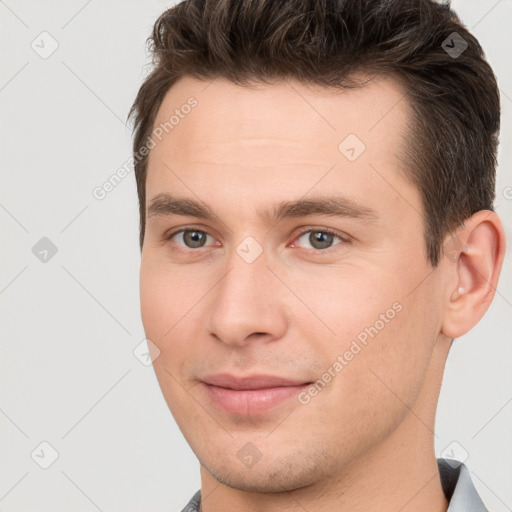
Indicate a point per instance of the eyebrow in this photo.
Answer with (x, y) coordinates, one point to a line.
(333, 206)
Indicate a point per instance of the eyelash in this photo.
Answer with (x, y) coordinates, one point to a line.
(329, 231)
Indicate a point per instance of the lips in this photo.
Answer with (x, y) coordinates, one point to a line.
(250, 382)
(250, 395)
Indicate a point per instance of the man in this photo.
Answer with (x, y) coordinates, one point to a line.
(316, 185)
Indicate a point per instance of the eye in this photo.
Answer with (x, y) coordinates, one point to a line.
(190, 238)
(320, 239)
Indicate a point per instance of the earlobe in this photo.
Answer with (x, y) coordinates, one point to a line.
(474, 272)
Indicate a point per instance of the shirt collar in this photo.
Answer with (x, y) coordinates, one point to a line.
(458, 487)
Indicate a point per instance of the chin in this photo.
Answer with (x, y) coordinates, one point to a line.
(269, 482)
(300, 470)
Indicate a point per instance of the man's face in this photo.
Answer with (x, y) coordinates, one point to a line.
(245, 293)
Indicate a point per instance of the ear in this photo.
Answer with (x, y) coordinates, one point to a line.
(474, 255)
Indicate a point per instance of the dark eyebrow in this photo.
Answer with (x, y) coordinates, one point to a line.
(332, 206)
(335, 206)
(165, 204)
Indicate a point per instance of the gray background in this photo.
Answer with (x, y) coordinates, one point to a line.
(70, 324)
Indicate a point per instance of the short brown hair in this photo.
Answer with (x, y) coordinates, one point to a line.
(452, 144)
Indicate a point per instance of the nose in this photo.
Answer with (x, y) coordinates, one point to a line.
(248, 304)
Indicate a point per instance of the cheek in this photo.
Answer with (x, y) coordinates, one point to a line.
(153, 303)
(380, 381)
(162, 305)
(163, 312)
(165, 296)
(170, 302)
(396, 360)
(384, 335)
(348, 300)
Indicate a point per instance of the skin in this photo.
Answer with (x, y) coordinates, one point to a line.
(365, 441)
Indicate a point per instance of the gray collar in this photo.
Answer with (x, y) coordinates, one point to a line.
(458, 487)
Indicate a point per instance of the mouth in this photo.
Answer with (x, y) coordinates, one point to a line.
(250, 395)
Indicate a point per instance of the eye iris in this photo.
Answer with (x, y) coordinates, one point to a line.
(194, 239)
(324, 239)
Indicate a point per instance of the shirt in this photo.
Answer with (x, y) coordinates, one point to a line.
(455, 480)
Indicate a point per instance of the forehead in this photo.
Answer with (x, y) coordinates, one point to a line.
(287, 112)
(269, 135)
